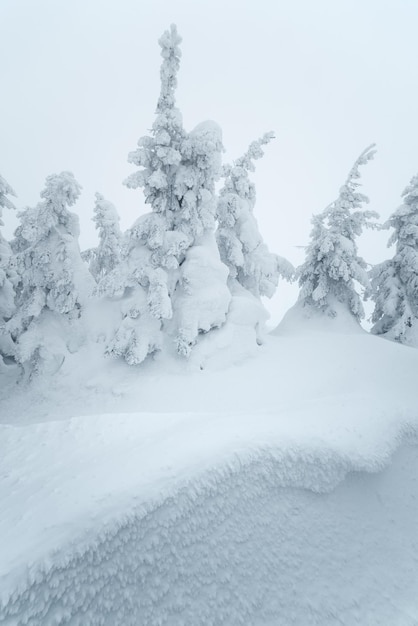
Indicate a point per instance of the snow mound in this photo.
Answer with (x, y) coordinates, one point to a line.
(281, 491)
(303, 318)
(261, 528)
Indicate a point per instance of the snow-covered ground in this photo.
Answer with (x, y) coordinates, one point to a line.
(281, 490)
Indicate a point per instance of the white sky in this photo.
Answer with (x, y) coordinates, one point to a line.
(80, 81)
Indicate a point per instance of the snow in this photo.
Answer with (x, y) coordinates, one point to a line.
(282, 490)
(226, 544)
(394, 282)
(162, 460)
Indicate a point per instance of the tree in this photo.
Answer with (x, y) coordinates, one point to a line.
(161, 299)
(395, 281)
(8, 277)
(54, 283)
(106, 256)
(333, 266)
(201, 297)
(240, 243)
(152, 247)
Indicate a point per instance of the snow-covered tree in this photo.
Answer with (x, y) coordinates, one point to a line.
(54, 283)
(395, 281)
(333, 266)
(162, 297)
(152, 247)
(5, 190)
(106, 256)
(240, 243)
(201, 297)
(8, 277)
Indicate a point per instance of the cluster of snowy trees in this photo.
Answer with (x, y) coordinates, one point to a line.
(189, 275)
(334, 272)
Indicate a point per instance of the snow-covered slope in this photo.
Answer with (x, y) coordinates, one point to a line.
(280, 491)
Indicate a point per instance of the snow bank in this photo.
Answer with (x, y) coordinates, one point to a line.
(305, 319)
(281, 491)
(154, 519)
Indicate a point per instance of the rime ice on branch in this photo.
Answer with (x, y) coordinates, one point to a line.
(395, 282)
(333, 265)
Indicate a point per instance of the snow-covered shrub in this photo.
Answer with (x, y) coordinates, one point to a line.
(8, 278)
(106, 256)
(395, 281)
(333, 266)
(172, 282)
(54, 283)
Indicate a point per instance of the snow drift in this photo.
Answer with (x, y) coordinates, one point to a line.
(282, 491)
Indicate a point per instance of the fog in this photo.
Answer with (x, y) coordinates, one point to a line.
(80, 82)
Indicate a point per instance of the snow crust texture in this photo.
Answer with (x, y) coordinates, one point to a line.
(270, 538)
(245, 506)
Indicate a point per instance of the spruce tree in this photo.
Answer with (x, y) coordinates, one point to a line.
(54, 283)
(240, 243)
(333, 266)
(395, 281)
(201, 297)
(107, 255)
(161, 299)
(8, 278)
(152, 247)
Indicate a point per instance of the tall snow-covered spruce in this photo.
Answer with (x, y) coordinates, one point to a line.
(333, 266)
(171, 280)
(251, 266)
(106, 256)
(54, 283)
(395, 281)
(8, 278)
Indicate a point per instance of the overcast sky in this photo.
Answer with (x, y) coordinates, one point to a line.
(80, 81)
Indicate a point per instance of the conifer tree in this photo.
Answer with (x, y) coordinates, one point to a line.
(177, 174)
(106, 256)
(333, 266)
(395, 281)
(240, 243)
(8, 277)
(54, 283)
(201, 297)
